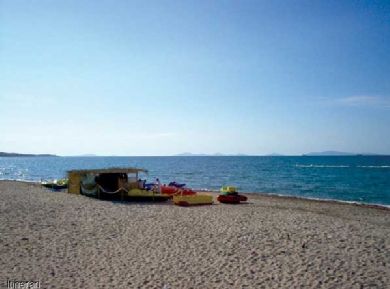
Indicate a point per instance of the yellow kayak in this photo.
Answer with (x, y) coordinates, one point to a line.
(192, 200)
(228, 189)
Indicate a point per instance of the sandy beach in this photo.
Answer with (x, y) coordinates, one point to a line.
(72, 241)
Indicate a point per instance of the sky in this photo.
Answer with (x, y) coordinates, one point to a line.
(166, 77)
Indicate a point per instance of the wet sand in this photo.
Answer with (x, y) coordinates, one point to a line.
(72, 241)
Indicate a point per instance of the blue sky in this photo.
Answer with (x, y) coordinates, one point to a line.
(165, 77)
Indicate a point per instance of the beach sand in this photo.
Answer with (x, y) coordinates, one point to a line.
(72, 241)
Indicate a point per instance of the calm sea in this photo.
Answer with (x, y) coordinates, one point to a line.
(363, 179)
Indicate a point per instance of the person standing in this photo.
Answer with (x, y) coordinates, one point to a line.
(141, 184)
(157, 185)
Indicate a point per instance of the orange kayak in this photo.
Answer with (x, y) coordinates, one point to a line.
(171, 190)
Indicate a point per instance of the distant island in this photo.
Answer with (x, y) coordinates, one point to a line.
(324, 153)
(186, 154)
(336, 153)
(3, 154)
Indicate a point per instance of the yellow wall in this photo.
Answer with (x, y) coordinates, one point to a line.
(74, 183)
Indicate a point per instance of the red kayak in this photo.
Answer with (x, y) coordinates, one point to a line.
(171, 190)
(232, 199)
(186, 192)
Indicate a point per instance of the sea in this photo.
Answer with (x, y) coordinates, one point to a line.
(360, 179)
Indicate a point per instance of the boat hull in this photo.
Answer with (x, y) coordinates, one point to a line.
(137, 194)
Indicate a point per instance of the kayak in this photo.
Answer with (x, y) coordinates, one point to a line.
(228, 189)
(56, 184)
(231, 199)
(192, 200)
(187, 192)
(171, 190)
(168, 190)
(177, 185)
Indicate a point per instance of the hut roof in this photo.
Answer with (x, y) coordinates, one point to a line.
(109, 170)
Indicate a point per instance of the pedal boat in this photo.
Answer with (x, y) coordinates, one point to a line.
(229, 195)
(138, 194)
(231, 199)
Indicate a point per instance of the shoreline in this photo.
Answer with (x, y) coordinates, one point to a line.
(330, 201)
(265, 195)
(281, 196)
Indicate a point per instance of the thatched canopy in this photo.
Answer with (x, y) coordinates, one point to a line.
(109, 170)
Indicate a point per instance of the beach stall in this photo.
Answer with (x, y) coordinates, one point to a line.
(115, 182)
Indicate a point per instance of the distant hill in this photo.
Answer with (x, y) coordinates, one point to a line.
(186, 154)
(3, 154)
(330, 153)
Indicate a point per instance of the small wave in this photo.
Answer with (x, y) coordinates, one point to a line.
(374, 167)
(322, 166)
